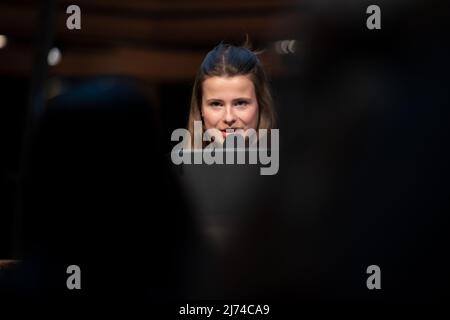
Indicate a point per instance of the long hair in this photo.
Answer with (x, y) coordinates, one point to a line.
(226, 60)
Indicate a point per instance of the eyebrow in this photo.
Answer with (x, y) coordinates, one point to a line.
(234, 100)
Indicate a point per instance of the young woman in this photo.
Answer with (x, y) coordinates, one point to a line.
(231, 92)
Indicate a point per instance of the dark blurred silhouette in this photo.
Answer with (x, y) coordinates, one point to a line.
(94, 197)
(364, 160)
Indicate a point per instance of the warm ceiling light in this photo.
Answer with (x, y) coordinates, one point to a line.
(3, 41)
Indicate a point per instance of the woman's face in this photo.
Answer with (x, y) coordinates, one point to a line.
(229, 103)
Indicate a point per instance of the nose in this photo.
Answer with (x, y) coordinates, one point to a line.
(229, 117)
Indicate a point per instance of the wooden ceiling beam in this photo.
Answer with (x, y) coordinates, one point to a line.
(20, 21)
(153, 65)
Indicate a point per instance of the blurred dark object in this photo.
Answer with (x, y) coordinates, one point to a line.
(94, 187)
(367, 180)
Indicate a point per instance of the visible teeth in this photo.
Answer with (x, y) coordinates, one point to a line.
(228, 130)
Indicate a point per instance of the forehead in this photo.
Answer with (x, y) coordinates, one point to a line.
(228, 87)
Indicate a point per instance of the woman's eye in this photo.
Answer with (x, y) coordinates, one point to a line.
(242, 103)
(215, 104)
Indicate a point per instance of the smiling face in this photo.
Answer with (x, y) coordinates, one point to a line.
(229, 103)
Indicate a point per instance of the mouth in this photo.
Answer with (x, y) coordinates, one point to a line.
(227, 131)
